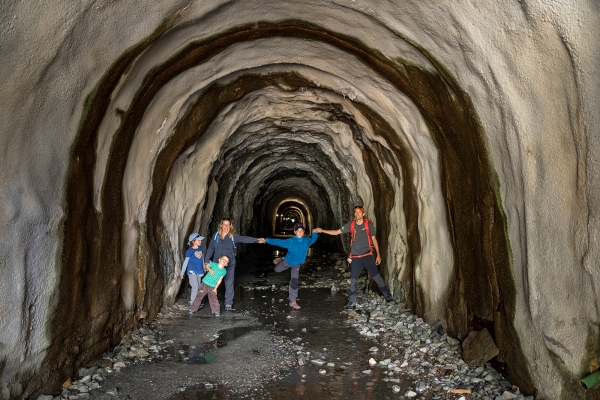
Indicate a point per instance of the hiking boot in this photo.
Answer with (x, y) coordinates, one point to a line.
(389, 299)
(350, 306)
(217, 314)
(295, 305)
(227, 307)
(190, 311)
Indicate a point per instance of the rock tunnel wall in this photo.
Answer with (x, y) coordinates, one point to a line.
(468, 133)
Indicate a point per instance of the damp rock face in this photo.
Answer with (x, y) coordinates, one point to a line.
(470, 133)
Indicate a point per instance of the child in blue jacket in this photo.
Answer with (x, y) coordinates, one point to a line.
(297, 249)
(194, 263)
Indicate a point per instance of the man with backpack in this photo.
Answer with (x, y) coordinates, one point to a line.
(362, 244)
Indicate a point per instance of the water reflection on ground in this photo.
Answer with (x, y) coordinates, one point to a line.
(319, 330)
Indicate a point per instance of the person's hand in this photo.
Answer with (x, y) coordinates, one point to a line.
(211, 271)
(181, 276)
(318, 230)
(378, 260)
(261, 240)
(215, 290)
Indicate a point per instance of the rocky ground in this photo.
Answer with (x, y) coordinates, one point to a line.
(256, 353)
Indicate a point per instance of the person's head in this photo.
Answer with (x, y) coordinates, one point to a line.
(195, 240)
(299, 229)
(359, 213)
(225, 227)
(223, 261)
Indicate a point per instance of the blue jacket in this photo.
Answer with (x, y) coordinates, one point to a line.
(297, 247)
(194, 261)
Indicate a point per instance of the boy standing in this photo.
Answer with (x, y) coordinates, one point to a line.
(209, 286)
(297, 249)
(194, 263)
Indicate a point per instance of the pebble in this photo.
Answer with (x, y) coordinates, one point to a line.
(427, 356)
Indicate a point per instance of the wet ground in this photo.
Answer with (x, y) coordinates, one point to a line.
(264, 349)
(318, 330)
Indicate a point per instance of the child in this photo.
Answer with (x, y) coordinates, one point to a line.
(297, 249)
(194, 262)
(209, 286)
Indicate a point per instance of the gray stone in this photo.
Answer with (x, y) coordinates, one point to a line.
(478, 348)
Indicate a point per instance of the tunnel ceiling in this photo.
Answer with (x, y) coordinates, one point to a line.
(198, 123)
(469, 131)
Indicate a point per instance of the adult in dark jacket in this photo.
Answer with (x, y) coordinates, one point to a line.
(223, 243)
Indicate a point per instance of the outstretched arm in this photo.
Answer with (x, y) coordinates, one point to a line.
(313, 238)
(245, 239)
(332, 233)
(285, 243)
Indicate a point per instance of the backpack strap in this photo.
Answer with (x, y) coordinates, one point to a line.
(369, 238)
(216, 238)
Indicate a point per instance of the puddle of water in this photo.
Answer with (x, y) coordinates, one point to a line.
(190, 354)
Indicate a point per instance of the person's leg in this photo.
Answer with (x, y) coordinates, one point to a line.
(229, 288)
(201, 293)
(281, 265)
(369, 263)
(215, 307)
(195, 281)
(355, 268)
(293, 289)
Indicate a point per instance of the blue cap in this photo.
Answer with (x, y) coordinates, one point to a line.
(299, 226)
(194, 236)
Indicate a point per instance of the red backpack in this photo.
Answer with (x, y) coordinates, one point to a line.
(353, 236)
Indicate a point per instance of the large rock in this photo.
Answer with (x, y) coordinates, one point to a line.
(479, 348)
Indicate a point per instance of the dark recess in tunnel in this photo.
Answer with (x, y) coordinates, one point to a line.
(91, 262)
(288, 215)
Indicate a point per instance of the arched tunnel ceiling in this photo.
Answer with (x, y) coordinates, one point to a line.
(364, 128)
(460, 128)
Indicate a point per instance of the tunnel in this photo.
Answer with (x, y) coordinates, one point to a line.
(468, 135)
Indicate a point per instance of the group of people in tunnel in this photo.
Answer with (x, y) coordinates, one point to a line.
(205, 276)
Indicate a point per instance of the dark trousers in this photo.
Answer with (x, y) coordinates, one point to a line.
(282, 265)
(203, 291)
(228, 281)
(356, 267)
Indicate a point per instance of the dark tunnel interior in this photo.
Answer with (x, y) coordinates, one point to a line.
(268, 147)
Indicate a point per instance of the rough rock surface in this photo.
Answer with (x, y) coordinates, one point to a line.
(479, 348)
(469, 132)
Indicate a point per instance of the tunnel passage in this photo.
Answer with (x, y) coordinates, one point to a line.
(288, 215)
(170, 147)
